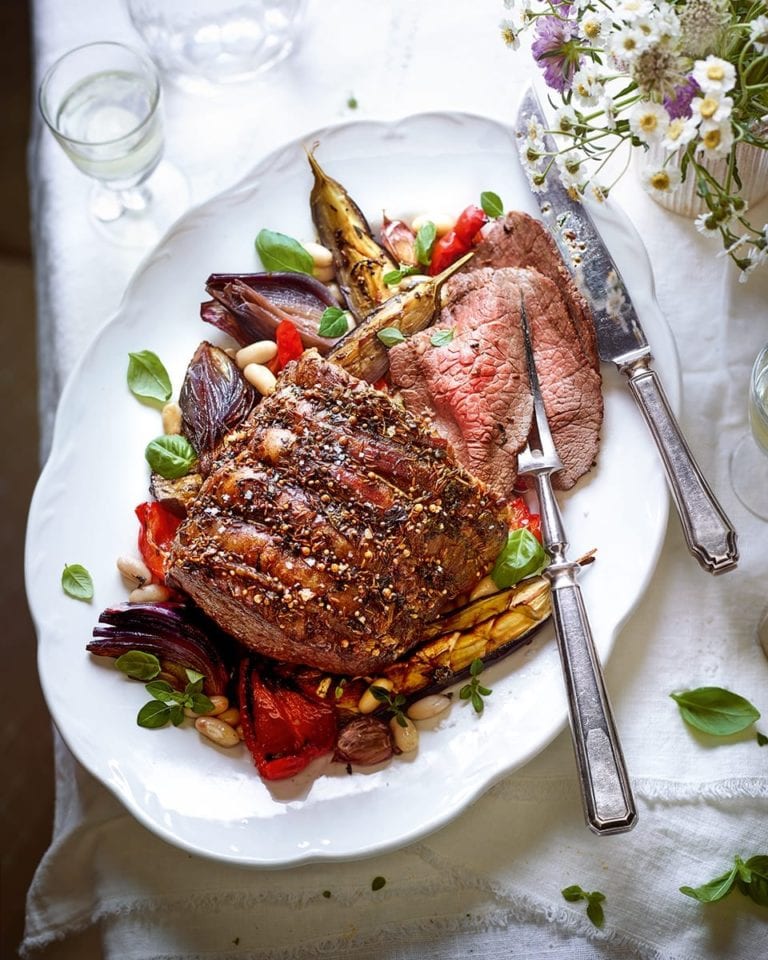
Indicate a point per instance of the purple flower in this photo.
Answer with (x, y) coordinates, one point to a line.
(555, 49)
(679, 104)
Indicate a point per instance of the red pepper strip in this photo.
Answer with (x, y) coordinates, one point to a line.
(284, 729)
(289, 345)
(458, 241)
(521, 516)
(157, 530)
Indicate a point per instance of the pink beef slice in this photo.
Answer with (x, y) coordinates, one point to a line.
(475, 388)
(519, 240)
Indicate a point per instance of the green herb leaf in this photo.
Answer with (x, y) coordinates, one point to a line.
(352, 102)
(474, 691)
(389, 336)
(761, 739)
(162, 690)
(491, 204)
(595, 910)
(280, 252)
(715, 710)
(758, 885)
(393, 277)
(377, 883)
(177, 714)
(76, 582)
(522, 556)
(327, 894)
(441, 337)
(153, 715)
(170, 455)
(573, 893)
(147, 377)
(193, 676)
(334, 322)
(138, 665)
(714, 890)
(425, 241)
(200, 703)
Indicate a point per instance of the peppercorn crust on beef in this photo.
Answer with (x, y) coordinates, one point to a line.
(333, 524)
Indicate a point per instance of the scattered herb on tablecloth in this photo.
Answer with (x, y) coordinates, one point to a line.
(147, 377)
(352, 102)
(715, 710)
(76, 582)
(595, 899)
(377, 883)
(327, 894)
(761, 738)
(168, 703)
(750, 877)
(474, 691)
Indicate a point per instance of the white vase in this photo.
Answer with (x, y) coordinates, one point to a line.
(753, 170)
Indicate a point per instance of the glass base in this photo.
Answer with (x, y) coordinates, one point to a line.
(749, 476)
(140, 217)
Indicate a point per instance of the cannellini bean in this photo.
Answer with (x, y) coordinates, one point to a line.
(483, 588)
(262, 351)
(429, 706)
(368, 702)
(443, 223)
(135, 571)
(220, 705)
(171, 419)
(335, 291)
(230, 716)
(321, 256)
(406, 736)
(260, 377)
(151, 593)
(217, 731)
(324, 274)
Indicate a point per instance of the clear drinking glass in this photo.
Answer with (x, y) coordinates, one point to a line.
(749, 460)
(102, 103)
(199, 44)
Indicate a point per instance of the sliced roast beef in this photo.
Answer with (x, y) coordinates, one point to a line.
(519, 240)
(332, 525)
(475, 388)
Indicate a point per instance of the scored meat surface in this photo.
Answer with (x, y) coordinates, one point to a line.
(519, 240)
(333, 524)
(475, 387)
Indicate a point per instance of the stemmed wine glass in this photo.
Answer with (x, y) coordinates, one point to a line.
(102, 103)
(749, 460)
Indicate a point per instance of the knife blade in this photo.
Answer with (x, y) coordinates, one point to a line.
(709, 534)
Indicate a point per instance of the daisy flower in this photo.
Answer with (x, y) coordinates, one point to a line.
(714, 75)
(587, 87)
(712, 108)
(707, 225)
(648, 121)
(681, 130)
(510, 34)
(715, 139)
(758, 34)
(660, 179)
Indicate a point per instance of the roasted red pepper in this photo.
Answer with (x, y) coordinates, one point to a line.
(157, 530)
(289, 345)
(284, 728)
(521, 516)
(458, 241)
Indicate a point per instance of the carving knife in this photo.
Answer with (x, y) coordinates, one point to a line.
(708, 532)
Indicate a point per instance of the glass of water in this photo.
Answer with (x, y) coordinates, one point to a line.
(749, 460)
(101, 101)
(200, 44)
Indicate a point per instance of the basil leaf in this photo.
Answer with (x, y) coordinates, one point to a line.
(147, 377)
(595, 911)
(425, 241)
(76, 582)
(153, 715)
(491, 204)
(573, 893)
(162, 690)
(758, 885)
(714, 890)
(761, 739)
(522, 556)
(715, 710)
(282, 253)
(395, 276)
(200, 703)
(389, 336)
(334, 322)
(138, 665)
(441, 337)
(170, 455)
(193, 676)
(177, 714)
(194, 686)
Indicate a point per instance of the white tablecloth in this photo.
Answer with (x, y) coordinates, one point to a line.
(489, 883)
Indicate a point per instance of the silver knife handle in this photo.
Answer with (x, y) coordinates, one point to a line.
(710, 535)
(608, 803)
